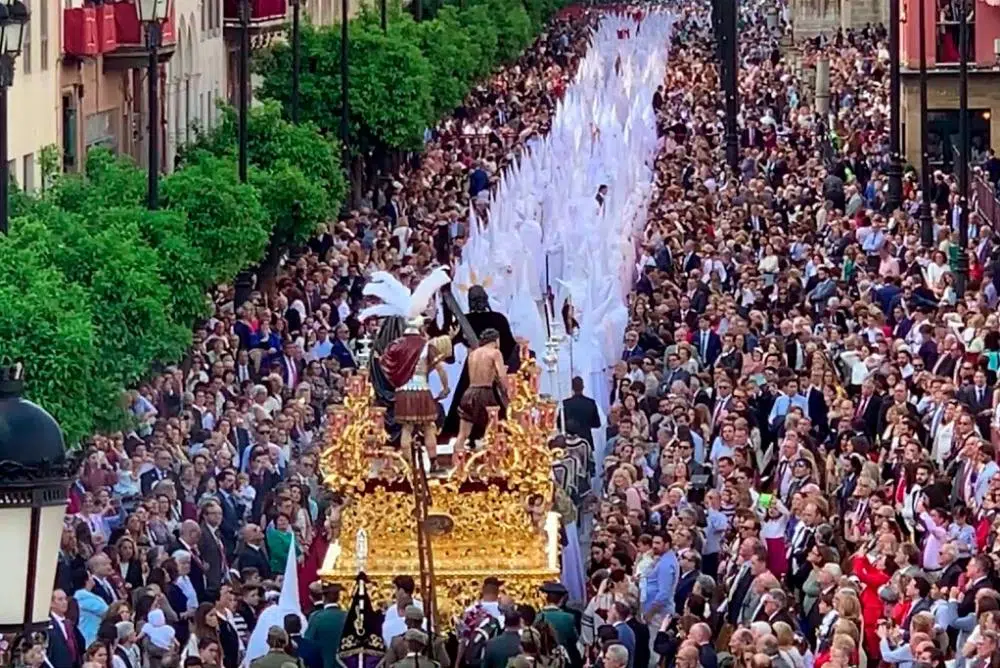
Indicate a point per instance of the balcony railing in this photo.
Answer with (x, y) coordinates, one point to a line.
(130, 29)
(260, 10)
(985, 201)
(89, 30)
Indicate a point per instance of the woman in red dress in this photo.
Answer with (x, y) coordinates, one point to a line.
(873, 575)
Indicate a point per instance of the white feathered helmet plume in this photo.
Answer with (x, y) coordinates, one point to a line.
(397, 300)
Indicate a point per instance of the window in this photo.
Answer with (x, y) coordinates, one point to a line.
(26, 46)
(948, 15)
(43, 27)
(12, 170)
(204, 8)
(69, 121)
(29, 172)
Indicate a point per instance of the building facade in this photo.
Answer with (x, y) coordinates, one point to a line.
(33, 105)
(89, 89)
(196, 75)
(104, 81)
(813, 17)
(941, 46)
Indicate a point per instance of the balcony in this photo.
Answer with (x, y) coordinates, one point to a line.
(131, 49)
(89, 30)
(267, 19)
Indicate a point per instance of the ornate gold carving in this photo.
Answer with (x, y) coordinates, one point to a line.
(496, 500)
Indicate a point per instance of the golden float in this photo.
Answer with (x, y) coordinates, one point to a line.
(491, 513)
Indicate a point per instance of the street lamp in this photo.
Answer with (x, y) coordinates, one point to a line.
(296, 5)
(345, 113)
(730, 61)
(964, 148)
(152, 14)
(894, 170)
(243, 76)
(14, 17)
(926, 221)
(34, 479)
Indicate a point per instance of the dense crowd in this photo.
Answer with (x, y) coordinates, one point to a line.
(178, 530)
(801, 461)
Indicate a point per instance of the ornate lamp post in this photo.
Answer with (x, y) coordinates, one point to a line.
(296, 47)
(964, 148)
(894, 170)
(14, 17)
(34, 478)
(152, 14)
(243, 80)
(926, 220)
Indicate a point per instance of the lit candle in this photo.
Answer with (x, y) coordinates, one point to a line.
(552, 532)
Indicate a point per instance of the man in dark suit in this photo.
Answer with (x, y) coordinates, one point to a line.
(211, 548)
(868, 410)
(818, 412)
(673, 373)
(776, 608)
(803, 540)
(685, 314)
(307, 650)
(641, 632)
(751, 136)
(292, 366)
(918, 590)
(580, 413)
(979, 398)
(690, 260)
(253, 555)
(617, 614)
(229, 636)
(707, 342)
(753, 562)
(65, 642)
(162, 469)
(342, 348)
(690, 564)
(232, 509)
(977, 577)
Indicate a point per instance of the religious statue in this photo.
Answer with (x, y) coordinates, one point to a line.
(479, 318)
(407, 361)
(487, 369)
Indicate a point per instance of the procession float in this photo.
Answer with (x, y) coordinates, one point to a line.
(489, 514)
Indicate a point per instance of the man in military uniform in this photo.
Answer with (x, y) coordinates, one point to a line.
(416, 641)
(414, 619)
(505, 646)
(277, 655)
(326, 625)
(561, 621)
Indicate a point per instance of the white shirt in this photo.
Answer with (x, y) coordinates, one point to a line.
(184, 582)
(491, 607)
(395, 623)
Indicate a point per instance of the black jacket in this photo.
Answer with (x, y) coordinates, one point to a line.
(581, 417)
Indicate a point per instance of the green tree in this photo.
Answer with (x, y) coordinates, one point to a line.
(46, 322)
(100, 290)
(296, 171)
(226, 221)
(389, 84)
(451, 54)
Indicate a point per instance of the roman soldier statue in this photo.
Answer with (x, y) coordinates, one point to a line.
(407, 361)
